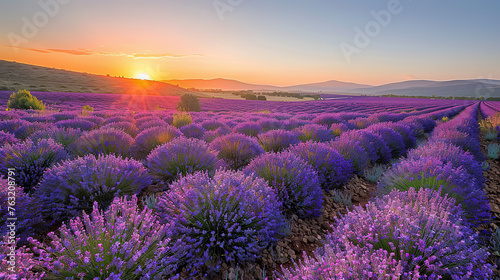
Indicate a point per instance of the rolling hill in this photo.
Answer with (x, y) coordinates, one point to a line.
(15, 76)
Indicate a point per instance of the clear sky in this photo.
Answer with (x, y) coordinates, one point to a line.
(280, 42)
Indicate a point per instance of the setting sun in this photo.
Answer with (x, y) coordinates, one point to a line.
(143, 76)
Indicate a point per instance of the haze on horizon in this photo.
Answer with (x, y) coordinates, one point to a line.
(262, 42)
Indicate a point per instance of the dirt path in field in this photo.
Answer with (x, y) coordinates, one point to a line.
(492, 188)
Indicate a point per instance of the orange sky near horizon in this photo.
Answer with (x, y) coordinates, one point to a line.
(278, 43)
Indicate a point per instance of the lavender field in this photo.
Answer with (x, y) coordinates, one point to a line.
(347, 188)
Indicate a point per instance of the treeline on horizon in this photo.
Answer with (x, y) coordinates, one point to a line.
(482, 98)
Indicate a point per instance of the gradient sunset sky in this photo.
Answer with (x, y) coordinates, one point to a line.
(279, 42)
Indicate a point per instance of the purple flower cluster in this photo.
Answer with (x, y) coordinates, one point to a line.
(334, 171)
(127, 127)
(237, 150)
(121, 243)
(27, 212)
(314, 132)
(151, 138)
(193, 131)
(180, 157)
(7, 138)
(74, 185)
(374, 145)
(229, 218)
(352, 151)
(103, 141)
(24, 261)
(63, 136)
(295, 182)
(30, 160)
(421, 229)
(278, 140)
(248, 128)
(76, 123)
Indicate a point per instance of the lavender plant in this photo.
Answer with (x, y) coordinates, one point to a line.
(237, 150)
(351, 150)
(193, 131)
(74, 185)
(77, 123)
(314, 132)
(295, 182)
(345, 261)
(278, 140)
(20, 265)
(30, 160)
(28, 215)
(103, 141)
(229, 219)
(64, 136)
(334, 171)
(127, 127)
(7, 138)
(180, 157)
(422, 229)
(248, 128)
(121, 243)
(150, 138)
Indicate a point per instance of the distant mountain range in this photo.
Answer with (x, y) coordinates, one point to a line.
(459, 88)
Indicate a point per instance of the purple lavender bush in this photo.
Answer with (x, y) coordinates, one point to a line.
(269, 124)
(314, 132)
(74, 185)
(334, 171)
(211, 124)
(62, 116)
(103, 141)
(21, 267)
(448, 152)
(345, 261)
(7, 138)
(462, 140)
(29, 160)
(352, 151)
(64, 136)
(121, 243)
(339, 128)
(295, 182)
(127, 127)
(394, 140)
(248, 128)
(193, 131)
(180, 157)
(11, 125)
(237, 150)
(422, 229)
(27, 211)
(278, 140)
(151, 138)
(432, 173)
(375, 147)
(149, 124)
(26, 130)
(228, 219)
(77, 123)
(327, 119)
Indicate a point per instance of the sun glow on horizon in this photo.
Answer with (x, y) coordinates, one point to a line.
(143, 76)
